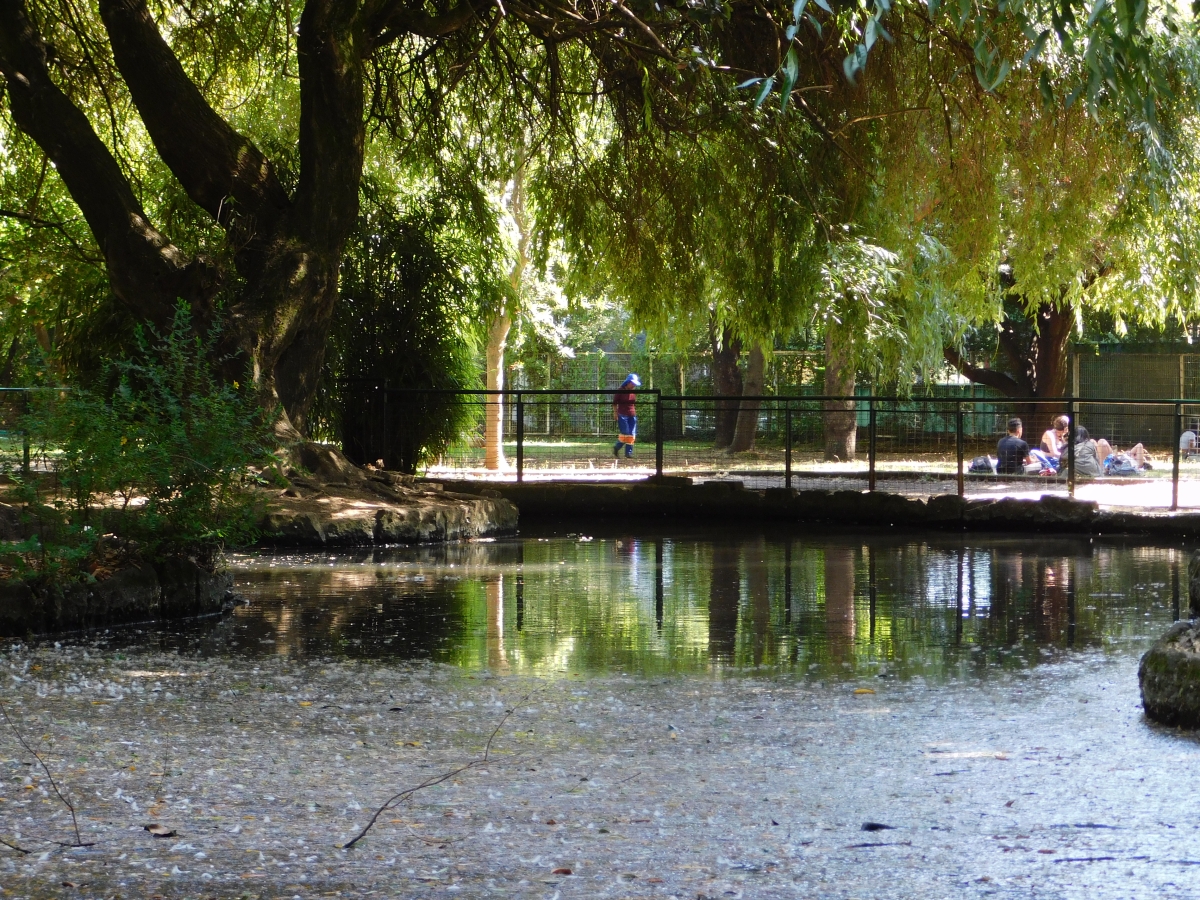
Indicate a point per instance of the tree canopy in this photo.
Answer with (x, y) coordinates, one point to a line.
(919, 164)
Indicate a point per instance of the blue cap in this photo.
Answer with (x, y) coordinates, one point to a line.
(631, 378)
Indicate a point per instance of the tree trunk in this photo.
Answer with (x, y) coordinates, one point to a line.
(286, 249)
(493, 423)
(1038, 364)
(841, 425)
(839, 602)
(727, 383)
(752, 386)
(724, 601)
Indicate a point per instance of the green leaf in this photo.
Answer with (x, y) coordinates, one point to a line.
(789, 33)
(934, 6)
(815, 24)
(1036, 50)
(1097, 11)
(791, 71)
(870, 34)
(798, 10)
(824, 4)
(1046, 90)
(1005, 68)
(766, 89)
(749, 82)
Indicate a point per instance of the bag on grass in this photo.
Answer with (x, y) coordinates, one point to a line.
(1120, 464)
(983, 465)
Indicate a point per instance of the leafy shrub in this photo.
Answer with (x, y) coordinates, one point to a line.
(161, 460)
(415, 276)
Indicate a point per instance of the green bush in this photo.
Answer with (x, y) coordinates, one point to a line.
(160, 460)
(415, 278)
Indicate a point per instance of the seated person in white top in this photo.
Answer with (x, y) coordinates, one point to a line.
(1054, 442)
(1187, 444)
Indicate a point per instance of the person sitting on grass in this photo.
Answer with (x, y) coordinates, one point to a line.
(1054, 443)
(1012, 453)
(1088, 455)
(1137, 453)
(1187, 445)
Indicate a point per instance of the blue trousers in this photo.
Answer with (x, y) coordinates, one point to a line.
(627, 426)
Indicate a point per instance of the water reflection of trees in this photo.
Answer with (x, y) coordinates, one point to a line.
(821, 606)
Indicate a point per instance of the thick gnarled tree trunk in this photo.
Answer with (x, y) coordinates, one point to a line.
(752, 386)
(727, 382)
(1035, 354)
(287, 248)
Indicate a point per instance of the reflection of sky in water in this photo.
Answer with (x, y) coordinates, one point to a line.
(846, 605)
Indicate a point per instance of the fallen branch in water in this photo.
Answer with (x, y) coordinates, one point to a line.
(50, 777)
(407, 793)
(12, 846)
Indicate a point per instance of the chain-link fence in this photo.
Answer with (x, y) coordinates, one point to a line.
(923, 446)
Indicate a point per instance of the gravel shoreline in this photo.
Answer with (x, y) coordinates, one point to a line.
(1046, 782)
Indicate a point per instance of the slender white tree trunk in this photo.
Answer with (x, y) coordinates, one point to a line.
(493, 422)
(493, 426)
(841, 423)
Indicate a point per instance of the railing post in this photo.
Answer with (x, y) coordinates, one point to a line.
(25, 434)
(871, 444)
(1175, 461)
(385, 445)
(1070, 448)
(958, 447)
(787, 445)
(520, 438)
(658, 434)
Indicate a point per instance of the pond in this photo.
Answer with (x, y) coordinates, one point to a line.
(693, 715)
(827, 607)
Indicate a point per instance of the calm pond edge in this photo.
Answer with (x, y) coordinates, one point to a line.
(717, 502)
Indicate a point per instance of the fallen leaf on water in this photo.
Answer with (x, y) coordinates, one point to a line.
(863, 691)
(306, 703)
(1045, 851)
(551, 822)
(160, 830)
(1010, 803)
(654, 880)
(562, 870)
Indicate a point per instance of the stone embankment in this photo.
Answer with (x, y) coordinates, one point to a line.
(677, 500)
(338, 505)
(170, 589)
(1170, 670)
(382, 508)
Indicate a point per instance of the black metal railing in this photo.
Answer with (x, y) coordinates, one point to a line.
(913, 444)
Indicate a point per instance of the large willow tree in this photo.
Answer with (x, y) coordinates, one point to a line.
(272, 188)
(380, 61)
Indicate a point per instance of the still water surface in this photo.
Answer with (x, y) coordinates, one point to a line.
(977, 695)
(941, 607)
